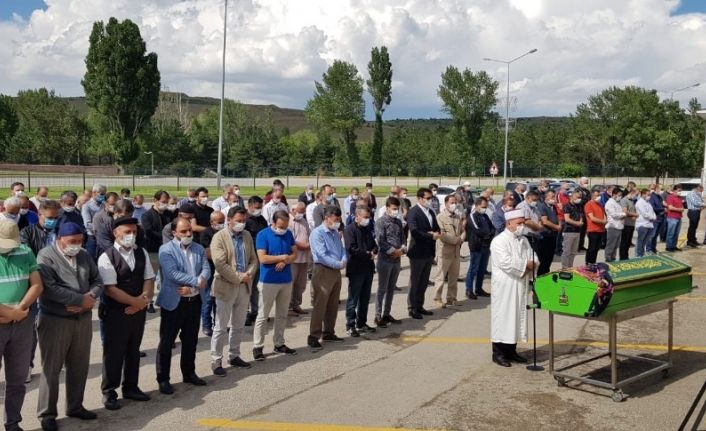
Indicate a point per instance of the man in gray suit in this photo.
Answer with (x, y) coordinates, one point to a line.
(71, 285)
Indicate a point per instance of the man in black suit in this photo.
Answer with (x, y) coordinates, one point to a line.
(518, 193)
(422, 249)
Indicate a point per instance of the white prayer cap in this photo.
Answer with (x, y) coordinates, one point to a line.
(511, 215)
(466, 183)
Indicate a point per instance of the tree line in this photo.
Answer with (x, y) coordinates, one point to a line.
(625, 131)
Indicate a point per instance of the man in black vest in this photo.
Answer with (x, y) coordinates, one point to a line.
(128, 279)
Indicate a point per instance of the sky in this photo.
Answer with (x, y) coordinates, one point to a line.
(278, 48)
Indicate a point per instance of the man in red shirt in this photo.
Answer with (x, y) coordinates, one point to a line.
(675, 210)
(562, 198)
(595, 226)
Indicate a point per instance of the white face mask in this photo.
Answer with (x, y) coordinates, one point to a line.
(365, 222)
(68, 209)
(238, 227)
(452, 208)
(203, 201)
(521, 230)
(24, 211)
(550, 202)
(336, 226)
(237, 192)
(533, 204)
(276, 200)
(426, 203)
(171, 207)
(128, 240)
(577, 201)
(482, 210)
(187, 240)
(72, 250)
(137, 206)
(403, 196)
(161, 206)
(279, 231)
(597, 199)
(218, 227)
(298, 216)
(394, 213)
(256, 212)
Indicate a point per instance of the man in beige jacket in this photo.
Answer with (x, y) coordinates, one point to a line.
(233, 254)
(452, 236)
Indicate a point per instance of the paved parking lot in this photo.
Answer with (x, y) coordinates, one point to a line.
(430, 374)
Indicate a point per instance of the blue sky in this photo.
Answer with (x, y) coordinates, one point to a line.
(21, 7)
(689, 6)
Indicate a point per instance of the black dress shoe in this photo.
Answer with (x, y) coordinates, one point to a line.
(195, 380)
(84, 415)
(501, 361)
(49, 424)
(143, 354)
(470, 295)
(483, 293)
(166, 388)
(150, 308)
(425, 312)
(332, 338)
(389, 319)
(380, 322)
(111, 402)
(517, 358)
(415, 315)
(136, 395)
(239, 363)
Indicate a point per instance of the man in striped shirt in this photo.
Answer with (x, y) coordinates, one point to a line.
(695, 205)
(20, 286)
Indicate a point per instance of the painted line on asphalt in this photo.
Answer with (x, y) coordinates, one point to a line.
(691, 298)
(602, 344)
(291, 426)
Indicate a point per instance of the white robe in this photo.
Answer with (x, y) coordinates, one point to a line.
(510, 285)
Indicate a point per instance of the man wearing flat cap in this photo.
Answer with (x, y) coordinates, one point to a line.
(20, 286)
(128, 279)
(513, 266)
(71, 285)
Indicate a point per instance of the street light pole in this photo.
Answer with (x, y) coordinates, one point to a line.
(151, 154)
(507, 104)
(702, 114)
(671, 94)
(223, 95)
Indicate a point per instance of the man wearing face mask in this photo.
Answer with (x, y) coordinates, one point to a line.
(186, 212)
(104, 228)
(275, 204)
(208, 305)
(254, 224)
(233, 254)
(615, 224)
(153, 222)
(27, 216)
(276, 250)
(480, 233)
(549, 220)
(17, 189)
(11, 210)
(513, 267)
(660, 223)
(453, 233)
(393, 245)
(373, 204)
(102, 219)
(628, 205)
(349, 205)
(202, 214)
(71, 285)
(301, 231)
(595, 225)
(88, 212)
(222, 201)
(435, 204)
(307, 197)
(68, 211)
(139, 204)
(424, 230)
(532, 221)
(574, 220)
(361, 249)
(190, 199)
(311, 208)
(128, 282)
(326, 200)
(184, 273)
(41, 196)
(330, 258)
(42, 234)
(276, 184)
(20, 286)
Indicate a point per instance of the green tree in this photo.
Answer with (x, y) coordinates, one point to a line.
(338, 105)
(468, 98)
(380, 89)
(122, 84)
(9, 122)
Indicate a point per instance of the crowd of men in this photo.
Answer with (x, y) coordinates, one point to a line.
(223, 265)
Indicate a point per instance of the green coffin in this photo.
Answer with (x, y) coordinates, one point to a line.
(637, 282)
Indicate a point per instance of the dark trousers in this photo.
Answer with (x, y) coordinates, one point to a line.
(15, 348)
(254, 297)
(121, 349)
(92, 246)
(184, 322)
(559, 246)
(625, 241)
(582, 236)
(504, 350)
(476, 270)
(420, 270)
(546, 245)
(208, 306)
(660, 225)
(359, 287)
(694, 216)
(594, 244)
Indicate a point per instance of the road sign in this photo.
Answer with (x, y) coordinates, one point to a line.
(494, 169)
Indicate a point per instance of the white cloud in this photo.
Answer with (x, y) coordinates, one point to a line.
(277, 48)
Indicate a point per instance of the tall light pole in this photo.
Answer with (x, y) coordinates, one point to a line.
(150, 153)
(671, 93)
(223, 96)
(507, 103)
(702, 114)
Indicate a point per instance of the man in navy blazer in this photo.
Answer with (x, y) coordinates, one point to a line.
(184, 271)
(424, 231)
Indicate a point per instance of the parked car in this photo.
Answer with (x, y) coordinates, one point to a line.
(687, 186)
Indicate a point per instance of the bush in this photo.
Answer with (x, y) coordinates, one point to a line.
(569, 170)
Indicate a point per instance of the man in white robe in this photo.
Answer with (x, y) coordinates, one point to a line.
(513, 266)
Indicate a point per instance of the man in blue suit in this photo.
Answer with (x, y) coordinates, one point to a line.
(184, 271)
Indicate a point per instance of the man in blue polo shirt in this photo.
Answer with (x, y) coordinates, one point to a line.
(276, 251)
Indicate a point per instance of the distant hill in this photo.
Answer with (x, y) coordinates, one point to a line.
(294, 119)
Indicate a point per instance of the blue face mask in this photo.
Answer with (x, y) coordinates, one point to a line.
(50, 223)
(329, 198)
(100, 199)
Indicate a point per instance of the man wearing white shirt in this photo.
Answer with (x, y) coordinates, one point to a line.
(275, 204)
(614, 227)
(348, 203)
(41, 196)
(646, 217)
(222, 202)
(310, 210)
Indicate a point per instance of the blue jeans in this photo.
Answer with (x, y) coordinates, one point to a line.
(208, 306)
(673, 228)
(359, 287)
(92, 247)
(644, 239)
(476, 270)
(659, 224)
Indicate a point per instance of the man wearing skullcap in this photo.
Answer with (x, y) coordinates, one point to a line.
(71, 285)
(128, 279)
(20, 286)
(514, 264)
